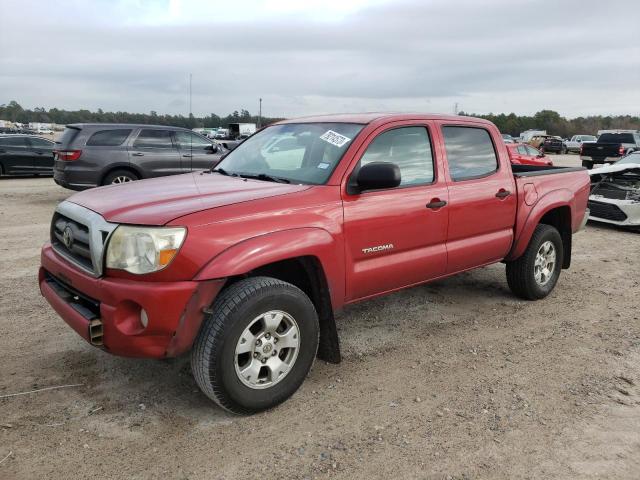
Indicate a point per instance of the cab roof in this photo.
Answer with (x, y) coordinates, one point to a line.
(369, 117)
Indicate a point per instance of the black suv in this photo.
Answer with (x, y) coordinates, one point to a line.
(93, 154)
(25, 155)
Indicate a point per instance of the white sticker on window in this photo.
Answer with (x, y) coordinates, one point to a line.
(334, 138)
(323, 165)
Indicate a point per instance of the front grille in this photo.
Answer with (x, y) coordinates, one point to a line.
(72, 238)
(606, 211)
(80, 235)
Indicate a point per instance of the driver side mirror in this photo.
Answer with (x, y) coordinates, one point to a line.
(378, 175)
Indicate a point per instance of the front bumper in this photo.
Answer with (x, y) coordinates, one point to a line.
(625, 213)
(109, 308)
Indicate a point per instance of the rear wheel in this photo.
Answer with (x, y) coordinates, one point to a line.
(257, 347)
(588, 164)
(120, 176)
(536, 272)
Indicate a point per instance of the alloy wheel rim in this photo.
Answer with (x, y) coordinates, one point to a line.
(545, 263)
(267, 349)
(121, 179)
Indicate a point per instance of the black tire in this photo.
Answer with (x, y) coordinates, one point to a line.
(213, 355)
(587, 163)
(521, 272)
(111, 177)
(563, 151)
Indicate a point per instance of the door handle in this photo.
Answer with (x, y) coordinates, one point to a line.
(436, 203)
(502, 193)
(137, 154)
(188, 155)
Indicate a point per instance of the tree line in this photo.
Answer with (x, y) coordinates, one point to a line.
(14, 112)
(511, 123)
(555, 124)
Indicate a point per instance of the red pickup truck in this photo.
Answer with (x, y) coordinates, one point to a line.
(244, 266)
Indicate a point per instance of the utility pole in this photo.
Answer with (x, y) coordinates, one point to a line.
(455, 108)
(190, 105)
(260, 114)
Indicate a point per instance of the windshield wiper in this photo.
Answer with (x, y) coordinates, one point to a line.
(222, 171)
(264, 176)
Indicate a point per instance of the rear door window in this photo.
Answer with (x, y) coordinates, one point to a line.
(150, 138)
(108, 138)
(470, 152)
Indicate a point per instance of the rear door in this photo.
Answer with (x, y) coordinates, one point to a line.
(392, 238)
(155, 153)
(196, 151)
(15, 155)
(41, 154)
(482, 198)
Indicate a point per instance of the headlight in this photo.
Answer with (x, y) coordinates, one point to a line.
(143, 249)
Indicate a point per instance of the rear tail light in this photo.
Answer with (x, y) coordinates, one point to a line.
(621, 150)
(68, 155)
(581, 148)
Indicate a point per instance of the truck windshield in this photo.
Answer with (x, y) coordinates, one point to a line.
(292, 152)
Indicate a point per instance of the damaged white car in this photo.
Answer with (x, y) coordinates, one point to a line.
(615, 192)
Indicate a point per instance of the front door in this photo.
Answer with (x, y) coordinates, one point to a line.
(482, 199)
(392, 238)
(155, 154)
(196, 151)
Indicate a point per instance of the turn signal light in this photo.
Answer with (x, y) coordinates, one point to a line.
(67, 155)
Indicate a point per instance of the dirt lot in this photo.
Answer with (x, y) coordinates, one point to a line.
(456, 379)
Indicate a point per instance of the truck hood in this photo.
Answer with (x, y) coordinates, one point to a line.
(158, 201)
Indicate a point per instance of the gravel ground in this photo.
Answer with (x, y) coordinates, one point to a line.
(455, 379)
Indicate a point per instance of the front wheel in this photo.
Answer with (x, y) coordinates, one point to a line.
(258, 345)
(534, 275)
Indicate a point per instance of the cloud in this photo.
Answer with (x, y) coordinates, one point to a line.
(329, 56)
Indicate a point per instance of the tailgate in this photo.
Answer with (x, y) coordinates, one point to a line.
(601, 149)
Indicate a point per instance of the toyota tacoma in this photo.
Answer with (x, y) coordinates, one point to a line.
(243, 266)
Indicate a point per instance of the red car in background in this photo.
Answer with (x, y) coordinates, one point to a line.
(523, 154)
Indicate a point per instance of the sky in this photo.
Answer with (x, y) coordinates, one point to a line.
(578, 57)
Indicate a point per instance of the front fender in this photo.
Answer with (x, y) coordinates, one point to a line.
(286, 244)
(527, 221)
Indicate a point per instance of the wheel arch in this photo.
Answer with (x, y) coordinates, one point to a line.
(124, 166)
(553, 209)
(308, 258)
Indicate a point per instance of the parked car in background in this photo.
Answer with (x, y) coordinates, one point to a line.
(610, 147)
(523, 154)
(575, 144)
(25, 155)
(615, 192)
(508, 138)
(93, 154)
(244, 267)
(553, 144)
(537, 140)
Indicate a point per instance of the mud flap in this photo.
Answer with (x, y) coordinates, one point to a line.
(329, 345)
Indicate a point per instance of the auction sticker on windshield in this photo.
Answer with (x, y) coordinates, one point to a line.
(334, 138)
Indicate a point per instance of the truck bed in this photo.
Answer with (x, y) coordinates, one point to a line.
(537, 170)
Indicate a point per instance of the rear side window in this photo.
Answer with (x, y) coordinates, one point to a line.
(15, 142)
(40, 143)
(149, 138)
(108, 138)
(470, 152)
(68, 136)
(407, 147)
